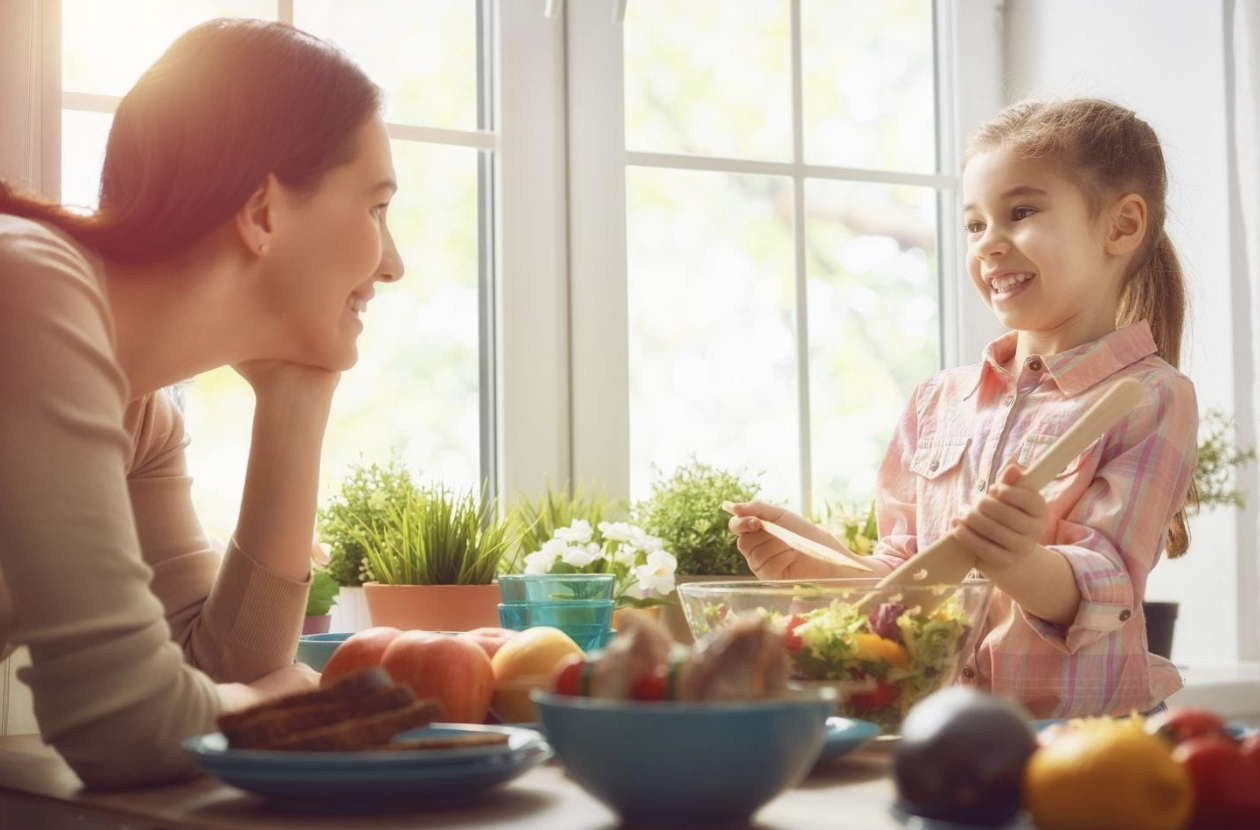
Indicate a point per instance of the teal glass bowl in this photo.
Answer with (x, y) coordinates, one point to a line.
(587, 622)
(556, 587)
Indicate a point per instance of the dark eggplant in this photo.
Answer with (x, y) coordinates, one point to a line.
(961, 757)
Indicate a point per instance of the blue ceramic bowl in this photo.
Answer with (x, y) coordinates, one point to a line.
(555, 587)
(692, 763)
(315, 649)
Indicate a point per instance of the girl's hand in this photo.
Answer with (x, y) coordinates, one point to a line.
(770, 558)
(1005, 525)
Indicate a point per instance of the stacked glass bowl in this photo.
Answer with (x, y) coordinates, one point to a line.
(580, 605)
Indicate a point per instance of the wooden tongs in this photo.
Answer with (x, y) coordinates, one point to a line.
(947, 562)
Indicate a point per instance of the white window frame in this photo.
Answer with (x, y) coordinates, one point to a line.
(523, 309)
(969, 68)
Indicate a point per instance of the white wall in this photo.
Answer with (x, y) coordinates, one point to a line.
(1165, 60)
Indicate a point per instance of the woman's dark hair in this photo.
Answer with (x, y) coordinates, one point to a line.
(229, 102)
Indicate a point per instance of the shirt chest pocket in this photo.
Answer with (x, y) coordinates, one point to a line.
(1036, 444)
(938, 457)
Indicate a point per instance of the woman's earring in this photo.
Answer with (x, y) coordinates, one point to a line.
(262, 249)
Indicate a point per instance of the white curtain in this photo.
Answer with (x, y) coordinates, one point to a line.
(1242, 29)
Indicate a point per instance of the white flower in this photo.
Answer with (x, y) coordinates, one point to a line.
(626, 554)
(555, 547)
(658, 574)
(580, 557)
(618, 531)
(540, 562)
(650, 544)
(579, 532)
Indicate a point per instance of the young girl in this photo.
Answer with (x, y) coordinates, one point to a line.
(1064, 207)
(242, 223)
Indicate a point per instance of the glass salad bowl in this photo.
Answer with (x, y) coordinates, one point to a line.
(880, 653)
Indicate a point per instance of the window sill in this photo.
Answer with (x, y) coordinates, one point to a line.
(1230, 690)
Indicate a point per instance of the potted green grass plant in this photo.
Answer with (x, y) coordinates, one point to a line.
(433, 559)
(320, 599)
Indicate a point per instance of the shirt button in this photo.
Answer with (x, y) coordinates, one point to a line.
(1035, 365)
(969, 672)
(1125, 614)
(1010, 399)
(934, 465)
(980, 485)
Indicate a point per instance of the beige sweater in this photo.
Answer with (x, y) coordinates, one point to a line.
(105, 572)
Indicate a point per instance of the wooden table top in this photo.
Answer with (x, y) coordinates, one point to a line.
(851, 792)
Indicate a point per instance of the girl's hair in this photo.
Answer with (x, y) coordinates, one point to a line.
(229, 102)
(1108, 151)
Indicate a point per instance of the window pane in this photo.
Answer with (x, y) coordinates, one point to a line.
(868, 89)
(424, 55)
(106, 45)
(415, 389)
(712, 343)
(709, 77)
(83, 138)
(873, 324)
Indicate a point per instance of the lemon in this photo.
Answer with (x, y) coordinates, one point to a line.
(526, 662)
(1107, 775)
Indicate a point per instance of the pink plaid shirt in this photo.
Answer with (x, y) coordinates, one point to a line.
(1109, 510)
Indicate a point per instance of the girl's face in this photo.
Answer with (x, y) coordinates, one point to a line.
(329, 248)
(1034, 251)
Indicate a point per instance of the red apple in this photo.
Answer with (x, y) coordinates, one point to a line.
(453, 669)
(491, 639)
(361, 650)
(1225, 792)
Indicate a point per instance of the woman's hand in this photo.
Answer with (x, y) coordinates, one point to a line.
(293, 678)
(771, 558)
(272, 377)
(1005, 525)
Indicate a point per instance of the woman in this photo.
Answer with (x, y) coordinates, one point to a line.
(242, 223)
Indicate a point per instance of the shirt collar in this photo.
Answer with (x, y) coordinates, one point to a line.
(1077, 369)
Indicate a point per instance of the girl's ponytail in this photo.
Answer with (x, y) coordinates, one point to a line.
(1156, 293)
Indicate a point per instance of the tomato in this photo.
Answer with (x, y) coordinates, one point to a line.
(1251, 749)
(649, 687)
(790, 638)
(571, 678)
(1182, 723)
(1225, 791)
(885, 694)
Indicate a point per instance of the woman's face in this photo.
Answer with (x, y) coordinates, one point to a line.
(329, 249)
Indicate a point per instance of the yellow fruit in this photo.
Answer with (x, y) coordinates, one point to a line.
(876, 649)
(1107, 775)
(523, 663)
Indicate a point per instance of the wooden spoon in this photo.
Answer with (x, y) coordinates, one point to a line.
(946, 561)
(809, 547)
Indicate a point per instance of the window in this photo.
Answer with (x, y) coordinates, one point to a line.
(418, 388)
(783, 172)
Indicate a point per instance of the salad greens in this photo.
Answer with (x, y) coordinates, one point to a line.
(888, 659)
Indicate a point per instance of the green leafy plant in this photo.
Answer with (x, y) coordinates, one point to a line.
(436, 537)
(535, 522)
(367, 495)
(857, 530)
(685, 511)
(322, 595)
(1218, 456)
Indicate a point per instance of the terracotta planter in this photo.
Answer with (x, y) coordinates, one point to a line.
(316, 625)
(672, 617)
(653, 614)
(433, 607)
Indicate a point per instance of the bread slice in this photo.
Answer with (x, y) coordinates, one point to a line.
(266, 728)
(350, 687)
(364, 732)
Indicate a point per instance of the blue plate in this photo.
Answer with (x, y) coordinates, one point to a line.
(845, 735)
(362, 779)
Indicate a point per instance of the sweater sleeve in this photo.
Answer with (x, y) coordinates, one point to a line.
(112, 691)
(236, 621)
